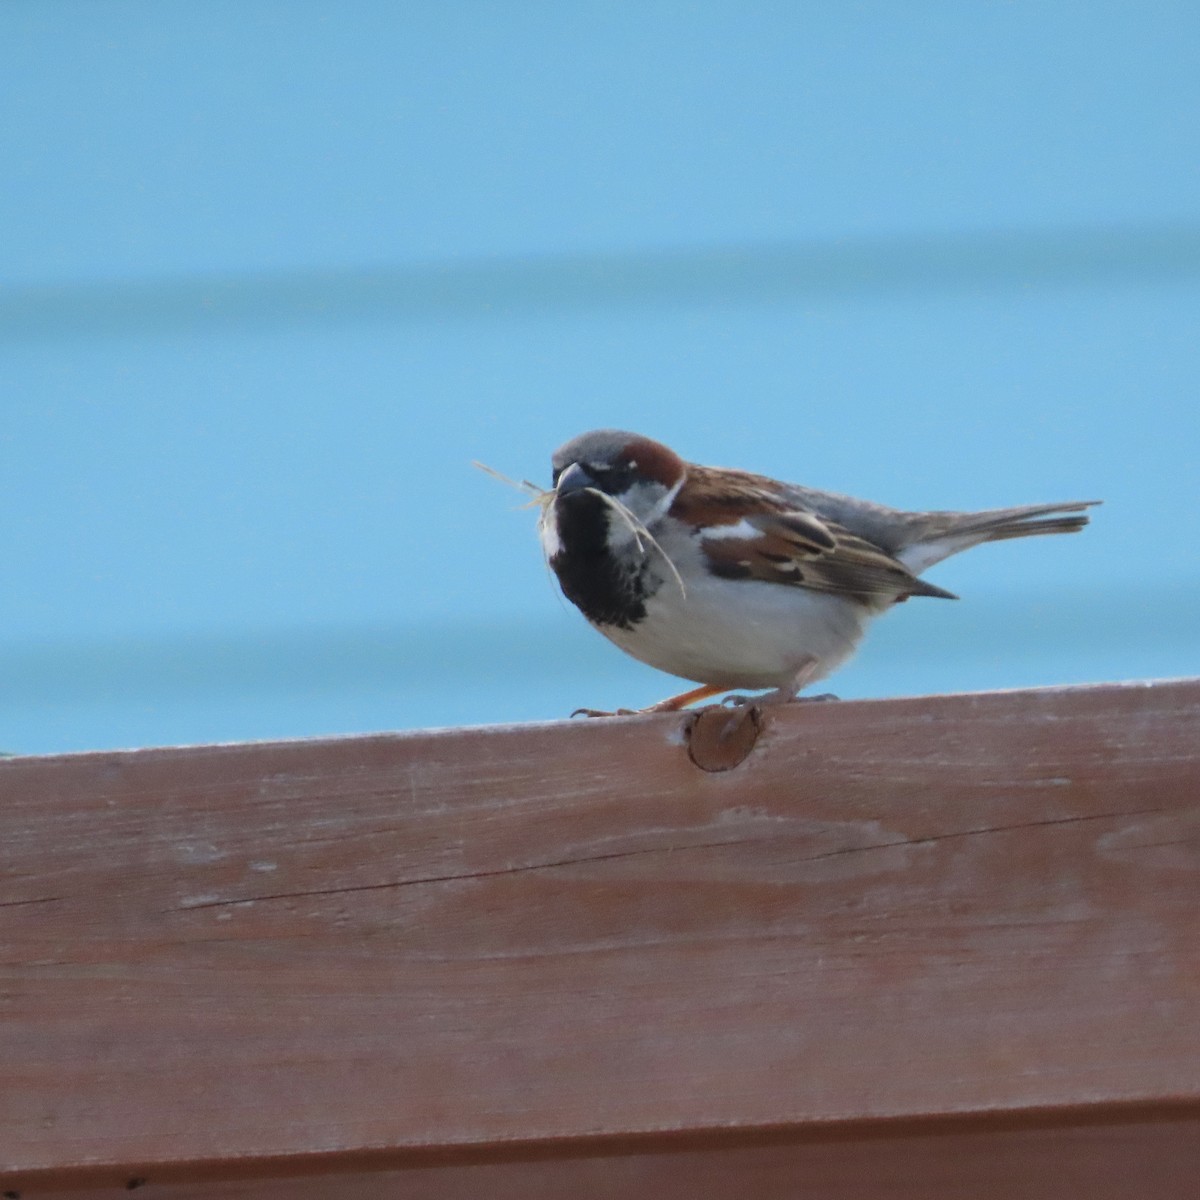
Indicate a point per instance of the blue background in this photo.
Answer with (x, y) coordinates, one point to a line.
(275, 273)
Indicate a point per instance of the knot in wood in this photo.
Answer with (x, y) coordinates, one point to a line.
(718, 739)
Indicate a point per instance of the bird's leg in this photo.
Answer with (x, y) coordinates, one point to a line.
(786, 692)
(675, 703)
(671, 704)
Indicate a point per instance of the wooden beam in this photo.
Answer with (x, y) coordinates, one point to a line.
(904, 948)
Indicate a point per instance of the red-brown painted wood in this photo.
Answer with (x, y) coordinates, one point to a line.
(902, 943)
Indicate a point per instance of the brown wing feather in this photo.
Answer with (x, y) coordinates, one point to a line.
(799, 549)
(757, 533)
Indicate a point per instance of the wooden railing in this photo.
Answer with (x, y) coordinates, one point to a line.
(912, 948)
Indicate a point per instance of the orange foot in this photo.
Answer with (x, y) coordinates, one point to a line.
(785, 694)
(671, 704)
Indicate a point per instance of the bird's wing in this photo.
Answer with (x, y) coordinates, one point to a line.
(800, 549)
(751, 527)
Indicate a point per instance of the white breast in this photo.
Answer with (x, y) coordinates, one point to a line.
(742, 633)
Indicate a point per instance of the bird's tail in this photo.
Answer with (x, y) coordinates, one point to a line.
(961, 531)
(1027, 521)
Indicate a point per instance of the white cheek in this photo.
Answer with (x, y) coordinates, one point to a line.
(645, 502)
(663, 506)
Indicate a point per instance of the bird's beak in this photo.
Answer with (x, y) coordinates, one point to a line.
(573, 479)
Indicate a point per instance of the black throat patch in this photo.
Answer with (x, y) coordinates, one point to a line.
(607, 590)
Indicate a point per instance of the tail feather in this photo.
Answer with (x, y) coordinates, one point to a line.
(961, 531)
(1029, 528)
(997, 524)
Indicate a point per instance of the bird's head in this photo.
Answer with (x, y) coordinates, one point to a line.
(611, 465)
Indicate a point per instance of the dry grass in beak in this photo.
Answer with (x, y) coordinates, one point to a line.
(539, 495)
(544, 499)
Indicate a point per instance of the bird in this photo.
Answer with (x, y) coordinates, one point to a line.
(735, 580)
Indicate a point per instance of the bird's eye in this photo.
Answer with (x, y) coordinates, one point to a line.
(613, 477)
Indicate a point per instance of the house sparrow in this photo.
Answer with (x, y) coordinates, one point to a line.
(736, 580)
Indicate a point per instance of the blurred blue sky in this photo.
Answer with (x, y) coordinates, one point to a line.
(274, 273)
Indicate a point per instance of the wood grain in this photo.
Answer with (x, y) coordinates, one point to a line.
(564, 957)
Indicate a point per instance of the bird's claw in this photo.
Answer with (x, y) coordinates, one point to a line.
(776, 697)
